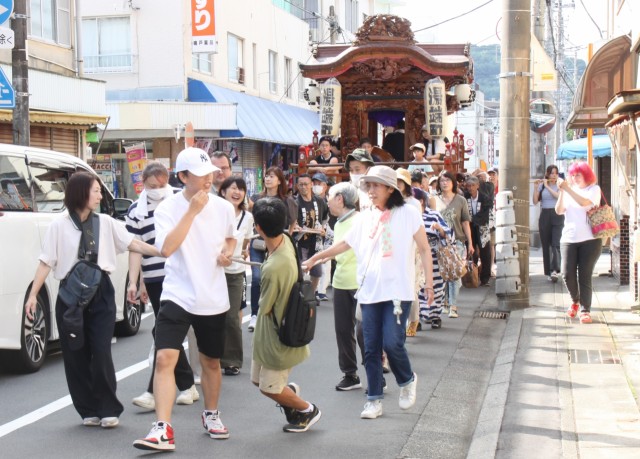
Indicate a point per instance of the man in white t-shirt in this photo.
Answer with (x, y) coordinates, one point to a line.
(195, 232)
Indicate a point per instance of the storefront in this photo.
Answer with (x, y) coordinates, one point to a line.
(268, 133)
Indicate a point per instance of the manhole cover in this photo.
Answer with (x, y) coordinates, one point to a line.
(593, 356)
(492, 314)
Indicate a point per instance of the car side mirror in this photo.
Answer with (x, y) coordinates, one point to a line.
(120, 207)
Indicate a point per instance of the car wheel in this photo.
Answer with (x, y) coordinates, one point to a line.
(34, 341)
(130, 325)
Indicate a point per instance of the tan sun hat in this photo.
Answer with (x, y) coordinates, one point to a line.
(404, 175)
(381, 174)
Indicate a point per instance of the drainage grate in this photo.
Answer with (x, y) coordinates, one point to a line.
(594, 356)
(492, 314)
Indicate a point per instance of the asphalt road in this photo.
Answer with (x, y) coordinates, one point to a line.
(255, 424)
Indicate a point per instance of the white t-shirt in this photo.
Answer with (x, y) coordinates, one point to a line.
(576, 223)
(392, 277)
(193, 279)
(242, 231)
(61, 242)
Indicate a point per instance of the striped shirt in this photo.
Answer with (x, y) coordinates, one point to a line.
(144, 230)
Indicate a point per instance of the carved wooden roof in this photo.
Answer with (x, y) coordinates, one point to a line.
(385, 50)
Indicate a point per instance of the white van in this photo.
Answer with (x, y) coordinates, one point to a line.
(32, 184)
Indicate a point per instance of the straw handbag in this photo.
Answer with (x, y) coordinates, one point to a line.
(603, 221)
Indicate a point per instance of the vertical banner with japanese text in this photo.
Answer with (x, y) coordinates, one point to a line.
(435, 107)
(330, 107)
(137, 160)
(203, 26)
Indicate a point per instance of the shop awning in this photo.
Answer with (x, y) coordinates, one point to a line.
(259, 119)
(72, 119)
(609, 72)
(577, 149)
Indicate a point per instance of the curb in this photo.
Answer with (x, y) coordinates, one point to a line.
(485, 437)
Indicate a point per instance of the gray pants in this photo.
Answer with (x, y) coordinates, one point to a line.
(233, 332)
(578, 261)
(344, 314)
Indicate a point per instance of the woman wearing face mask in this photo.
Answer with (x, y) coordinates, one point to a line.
(275, 185)
(358, 163)
(234, 190)
(140, 222)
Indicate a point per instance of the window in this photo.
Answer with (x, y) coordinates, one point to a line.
(255, 66)
(287, 77)
(273, 72)
(51, 20)
(202, 62)
(107, 45)
(235, 58)
(351, 8)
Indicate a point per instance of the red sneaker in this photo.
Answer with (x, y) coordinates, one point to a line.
(159, 439)
(585, 317)
(573, 310)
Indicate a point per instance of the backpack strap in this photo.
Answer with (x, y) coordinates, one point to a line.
(300, 276)
(89, 234)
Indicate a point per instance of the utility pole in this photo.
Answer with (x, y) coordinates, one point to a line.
(20, 68)
(514, 130)
(333, 24)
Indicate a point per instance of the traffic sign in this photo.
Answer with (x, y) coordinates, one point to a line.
(7, 94)
(6, 38)
(6, 8)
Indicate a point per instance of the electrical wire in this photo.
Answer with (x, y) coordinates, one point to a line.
(312, 13)
(592, 20)
(451, 19)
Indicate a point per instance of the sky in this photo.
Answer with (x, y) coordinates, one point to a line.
(480, 26)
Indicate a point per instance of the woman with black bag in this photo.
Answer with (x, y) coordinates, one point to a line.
(86, 352)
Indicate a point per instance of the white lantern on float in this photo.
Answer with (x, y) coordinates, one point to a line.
(435, 107)
(463, 94)
(330, 107)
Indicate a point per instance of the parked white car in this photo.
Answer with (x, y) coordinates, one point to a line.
(32, 184)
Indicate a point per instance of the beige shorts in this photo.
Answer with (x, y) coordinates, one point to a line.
(269, 381)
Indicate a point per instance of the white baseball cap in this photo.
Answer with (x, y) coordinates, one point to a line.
(196, 161)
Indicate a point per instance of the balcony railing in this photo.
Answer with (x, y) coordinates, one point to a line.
(108, 63)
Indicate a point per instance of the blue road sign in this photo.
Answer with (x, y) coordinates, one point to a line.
(7, 94)
(6, 8)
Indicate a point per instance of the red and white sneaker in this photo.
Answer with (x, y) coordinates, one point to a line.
(213, 425)
(160, 438)
(573, 310)
(585, 317)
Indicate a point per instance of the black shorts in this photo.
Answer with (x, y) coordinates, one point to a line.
(172, 325)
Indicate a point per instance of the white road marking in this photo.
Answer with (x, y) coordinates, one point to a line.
(63, 402)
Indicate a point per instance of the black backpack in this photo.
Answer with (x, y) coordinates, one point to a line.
(298, 324)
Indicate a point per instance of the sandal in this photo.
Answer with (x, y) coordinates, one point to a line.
(412, 328)
(585, 317)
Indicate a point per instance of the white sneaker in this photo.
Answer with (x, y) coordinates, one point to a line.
(146, 401)
(195, 396)
(214, 426)
(185, 397)
(453, 312)
(372, 409)
(109, 422)
(91, 422)
(252, 323)
(196, 379)
(408, 394)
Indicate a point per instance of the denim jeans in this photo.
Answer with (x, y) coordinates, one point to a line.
(452, 288)
(382, 330)
(255, 255)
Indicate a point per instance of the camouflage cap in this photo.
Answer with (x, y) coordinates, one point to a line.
(359, 154)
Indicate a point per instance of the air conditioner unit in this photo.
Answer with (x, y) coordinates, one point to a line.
(240, 74)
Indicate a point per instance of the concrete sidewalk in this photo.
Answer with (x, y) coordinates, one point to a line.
(559, 388)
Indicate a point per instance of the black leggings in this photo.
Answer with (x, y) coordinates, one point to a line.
(578, 261)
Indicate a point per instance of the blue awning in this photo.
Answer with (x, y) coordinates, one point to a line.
(260, 119)
(577, 149)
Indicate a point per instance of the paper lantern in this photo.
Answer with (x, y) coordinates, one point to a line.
(435, 107)
(330, 107)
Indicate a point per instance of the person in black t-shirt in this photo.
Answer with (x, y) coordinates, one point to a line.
(312, 213)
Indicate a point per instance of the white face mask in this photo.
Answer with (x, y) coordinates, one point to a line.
(156, 194)
(355, 179)
(317, 189)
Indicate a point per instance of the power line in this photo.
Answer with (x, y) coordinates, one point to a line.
(451, 19)
(312, 13)
(592, 20)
